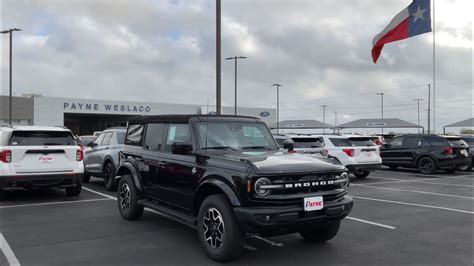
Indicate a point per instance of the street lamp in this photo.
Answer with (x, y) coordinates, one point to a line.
(278, 105)
(418, 101)
(218, 58)
(10, 95)
(324, 116)
(381, 94)
(335, 121)
(235, 58)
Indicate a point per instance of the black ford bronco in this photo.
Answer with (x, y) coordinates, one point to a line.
(226, 176)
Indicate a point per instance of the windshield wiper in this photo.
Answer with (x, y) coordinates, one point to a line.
(257, 148)
(219, 148)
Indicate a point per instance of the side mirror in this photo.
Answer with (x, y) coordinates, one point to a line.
(288, 145)
(182, 148)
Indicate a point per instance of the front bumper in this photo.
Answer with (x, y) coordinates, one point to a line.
(363, 167)
(23, 182)
(270, 221)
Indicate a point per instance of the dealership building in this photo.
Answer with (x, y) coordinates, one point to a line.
(84, 116)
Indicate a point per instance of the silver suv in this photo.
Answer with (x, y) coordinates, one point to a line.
(101, 156)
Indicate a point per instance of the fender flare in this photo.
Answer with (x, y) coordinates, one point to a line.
(129, 167)
(425, 155)
(108, 158)
(222, 186)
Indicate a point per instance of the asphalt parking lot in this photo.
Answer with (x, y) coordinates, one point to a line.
(399, 218)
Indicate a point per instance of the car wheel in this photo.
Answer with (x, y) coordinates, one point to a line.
(362, 174)
(393, 167)
(109, 177)
(427, 166)
(86, 178)
(322, 234)
(127, 199)
(218, 230)
(74, 191)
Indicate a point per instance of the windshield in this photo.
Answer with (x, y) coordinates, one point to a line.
(235, 136)
(42, 138)
(307, 143)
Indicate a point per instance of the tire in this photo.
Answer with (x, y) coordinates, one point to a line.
(86, 178)
(362, 174)
(216, 218)
(74, 191)
(427, 165)
(393, 167)
(109, 177)
(322, 234)
(127, 199)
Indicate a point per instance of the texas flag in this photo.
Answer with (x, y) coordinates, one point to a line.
(411, 21)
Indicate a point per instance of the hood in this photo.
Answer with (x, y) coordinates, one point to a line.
(282, 163)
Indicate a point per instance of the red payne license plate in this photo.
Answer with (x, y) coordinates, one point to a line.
(313, 204)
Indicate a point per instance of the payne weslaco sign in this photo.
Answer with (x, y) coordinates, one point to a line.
(376, 124)
(105, 107)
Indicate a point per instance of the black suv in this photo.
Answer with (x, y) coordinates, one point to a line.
(425, 152)
(226, 176)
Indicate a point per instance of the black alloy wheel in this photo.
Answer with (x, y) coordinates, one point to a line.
(427, 165)
(109, 177)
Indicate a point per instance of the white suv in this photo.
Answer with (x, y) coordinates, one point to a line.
(359, 154)
(39, 157)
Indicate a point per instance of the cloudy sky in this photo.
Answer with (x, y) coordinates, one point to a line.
(319, 50)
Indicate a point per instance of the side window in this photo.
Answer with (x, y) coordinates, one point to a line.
(396, 142)
(134, 135)
(410, 142)
(154, 136)
(177, 133)
(99, 139)
(107, 138)
(434, 141)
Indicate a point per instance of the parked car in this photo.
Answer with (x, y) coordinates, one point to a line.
(39, 157)
(425, 152)
(358, 154)
(308, 144)
(84, 141)
(378, 140)
(226, 175)
(469, 139)
(96, 133)
(101, 156)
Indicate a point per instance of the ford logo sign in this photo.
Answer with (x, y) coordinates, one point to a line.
(264, 114)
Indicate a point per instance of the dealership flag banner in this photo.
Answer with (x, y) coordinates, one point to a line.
(411, 21)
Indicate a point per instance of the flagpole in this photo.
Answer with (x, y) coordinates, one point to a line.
(434, 68)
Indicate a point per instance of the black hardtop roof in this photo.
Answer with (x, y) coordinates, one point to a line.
(186, 118)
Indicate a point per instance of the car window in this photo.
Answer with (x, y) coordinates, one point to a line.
(177, 133)
(341, 142)
(120, 137)
(134, 134)
(154, 136)
(41, 138)
(411, 141)
(107, 138)
(99, 139)
(457, 142)
(307, 143)
(469, 140)
(87, 140)
(362, 142)
(396, 142)
(433, 141)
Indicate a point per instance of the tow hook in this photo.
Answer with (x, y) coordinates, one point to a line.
(268, 241)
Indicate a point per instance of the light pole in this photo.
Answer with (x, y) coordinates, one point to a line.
(235, 58)
(335, 121)
(11, 91)
(429, 108)
(418, 101)
(381, 94)
(278, 105)
(324, 116)
(218, 58)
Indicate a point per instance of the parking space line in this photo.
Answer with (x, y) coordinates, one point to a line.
(387, 178)
(50, 203)
(8, 252)
(415, 191)
(414, 204)
(99, 193)
(468, 176)
(372, 223)
(443, 184)
(418, 180)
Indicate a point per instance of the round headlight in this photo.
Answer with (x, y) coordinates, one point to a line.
(345, 184)
(345, 175)
(262, 192)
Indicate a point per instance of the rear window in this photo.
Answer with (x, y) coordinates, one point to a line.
(307, 143)
(469, 140)
(134, 134)
(121, 137)
(41, 138)
(361, 142)
(433, 141)
(340, 142)
(457, 142)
